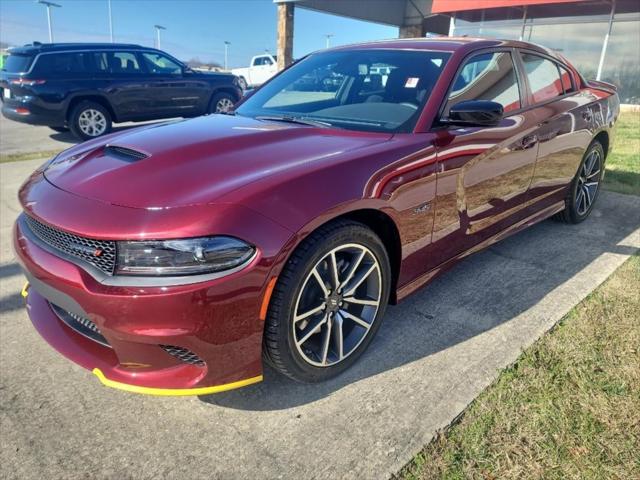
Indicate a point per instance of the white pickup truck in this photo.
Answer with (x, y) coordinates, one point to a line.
(261, 69)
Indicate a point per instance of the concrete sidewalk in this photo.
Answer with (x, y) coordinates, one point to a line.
(433, 355)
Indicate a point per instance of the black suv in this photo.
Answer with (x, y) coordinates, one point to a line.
(85, 87)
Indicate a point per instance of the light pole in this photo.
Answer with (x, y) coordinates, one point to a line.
(328, 37)
(110, 22)
(158, 28)
(49, 5)
(226, 54)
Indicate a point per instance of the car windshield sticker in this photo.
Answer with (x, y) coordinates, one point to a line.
(412, 82)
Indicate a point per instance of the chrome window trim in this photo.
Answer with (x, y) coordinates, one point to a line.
(94, 50)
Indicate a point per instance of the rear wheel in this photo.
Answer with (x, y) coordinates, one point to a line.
(585, 186)
(328, 303)
(242, 83)
(221, 103)
(89, 120)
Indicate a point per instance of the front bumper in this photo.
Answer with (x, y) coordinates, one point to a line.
(218, 320)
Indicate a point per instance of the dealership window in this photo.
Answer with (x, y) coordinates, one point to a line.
(579, 38)
(622, 60)
(543, 76)
(569, 39)
(487, 76)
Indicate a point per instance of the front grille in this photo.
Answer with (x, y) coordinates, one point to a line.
(187, 356)
(99, 253)
(123, 153)
(82, 325)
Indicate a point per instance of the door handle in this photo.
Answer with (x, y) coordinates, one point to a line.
(529, 141)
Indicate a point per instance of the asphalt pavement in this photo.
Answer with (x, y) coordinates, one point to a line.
(433, 355)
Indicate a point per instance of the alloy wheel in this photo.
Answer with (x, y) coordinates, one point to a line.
(224, 105)
(92, 122)
(337, 305)
(588, 182)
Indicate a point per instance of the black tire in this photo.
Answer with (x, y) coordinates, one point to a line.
(60, 129)
(279, 349)
(221, 102)
(573, 213)
(86, 107)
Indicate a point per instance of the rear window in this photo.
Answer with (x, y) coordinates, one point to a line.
(544, 78)
(17, 63)
(567, 84)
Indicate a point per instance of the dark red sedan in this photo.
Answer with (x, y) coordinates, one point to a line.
(173, 259)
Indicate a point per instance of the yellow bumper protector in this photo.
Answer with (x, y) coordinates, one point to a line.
(25, 290)
(167, 392)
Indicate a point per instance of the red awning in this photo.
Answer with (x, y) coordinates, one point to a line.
(447, 6)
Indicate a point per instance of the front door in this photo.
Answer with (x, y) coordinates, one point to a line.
(173, 92)
(483, 173)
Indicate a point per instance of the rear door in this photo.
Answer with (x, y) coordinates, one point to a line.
(483, 173)
(121, 77)
(564, 126)
(173, 92)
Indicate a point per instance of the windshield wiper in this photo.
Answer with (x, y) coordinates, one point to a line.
(292, 119)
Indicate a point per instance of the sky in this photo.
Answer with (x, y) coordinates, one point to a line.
(195, 28)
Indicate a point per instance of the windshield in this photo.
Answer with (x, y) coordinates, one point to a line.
(370, 90)
(17, 63)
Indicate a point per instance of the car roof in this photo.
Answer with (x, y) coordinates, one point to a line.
(35, 48)
(447, 44)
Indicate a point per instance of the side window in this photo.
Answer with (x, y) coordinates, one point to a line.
(544, 78)
(123, 62)
(487, 76)
(61, 64)
(101, 62)
(267, 61)
(159, 64)
(257, 62)
(566, 78)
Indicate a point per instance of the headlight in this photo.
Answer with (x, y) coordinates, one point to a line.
(182, 257)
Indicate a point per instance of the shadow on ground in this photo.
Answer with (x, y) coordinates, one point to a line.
(482, 292)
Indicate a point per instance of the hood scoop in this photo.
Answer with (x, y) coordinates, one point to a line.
(124, 153)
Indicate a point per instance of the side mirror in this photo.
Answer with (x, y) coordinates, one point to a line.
(475, 113)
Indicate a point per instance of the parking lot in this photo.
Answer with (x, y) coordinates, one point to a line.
(433, 355)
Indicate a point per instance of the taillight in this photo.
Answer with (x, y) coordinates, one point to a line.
(26, 82)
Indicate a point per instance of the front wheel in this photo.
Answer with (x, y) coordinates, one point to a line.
(328, 302)
(585, 187)
(89, 120)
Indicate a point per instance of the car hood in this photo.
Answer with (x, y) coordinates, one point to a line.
(196, 161)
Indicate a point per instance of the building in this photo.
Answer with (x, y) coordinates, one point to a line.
(600, 37)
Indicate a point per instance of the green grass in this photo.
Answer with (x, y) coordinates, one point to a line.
(569, 408)
(623, 165)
